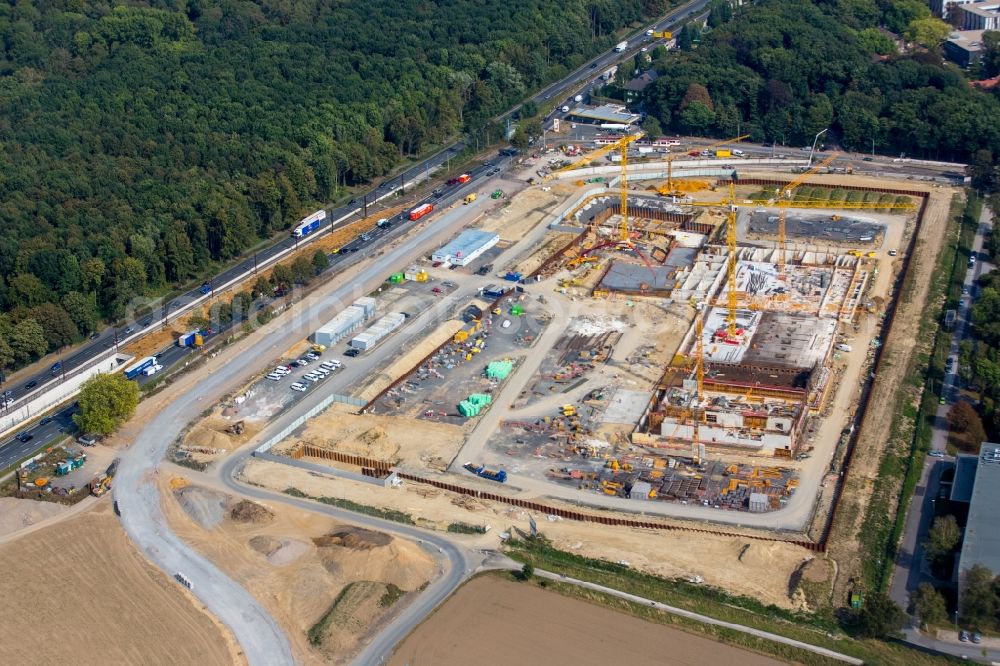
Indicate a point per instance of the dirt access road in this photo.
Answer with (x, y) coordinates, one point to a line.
(79, 592)
(494, 621)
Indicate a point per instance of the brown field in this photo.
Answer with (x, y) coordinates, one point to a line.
(494, 621)
(78, 592)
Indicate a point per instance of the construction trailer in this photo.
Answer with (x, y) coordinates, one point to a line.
(377, 331)
(345, 323)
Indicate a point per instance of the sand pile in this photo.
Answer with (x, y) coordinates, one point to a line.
(279, 552)
(246, 511)
(357, 554)
(206, 507)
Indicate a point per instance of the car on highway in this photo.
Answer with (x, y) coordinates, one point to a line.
(129, 331)
(24, 437)
(146, 323)
(95, 335)
(452, 181)
(47, 420)
(593, 65)
(30, 385)
(867, 159)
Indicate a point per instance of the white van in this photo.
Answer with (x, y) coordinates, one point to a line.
(737, 153)
(844, 348)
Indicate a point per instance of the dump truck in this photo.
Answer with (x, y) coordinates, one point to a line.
(723, 152)
(497, 194)
(493, 475)
(470, 198)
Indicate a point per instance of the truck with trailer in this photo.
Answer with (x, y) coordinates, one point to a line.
(499, 475)
(464, 178)
(723, 152)
(309, 224)
(190, 339)
(137, 368)
(420, 211)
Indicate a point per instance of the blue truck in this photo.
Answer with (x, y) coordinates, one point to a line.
(499, 475)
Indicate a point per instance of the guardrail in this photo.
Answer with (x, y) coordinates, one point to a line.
(294, 425)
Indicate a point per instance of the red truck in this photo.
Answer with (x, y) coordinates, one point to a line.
(420, 211)
(464, 178)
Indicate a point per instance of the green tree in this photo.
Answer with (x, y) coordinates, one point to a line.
(879, 616)
(685, 38)
(697, 118)
(527, 571)
(929, 604)
(320, 261)
(82, 310)
(106, 401)
(262, 287)
(652, 126)
(59, 328)
(529, 109)
(27, 340)
(929, 32)
(282, 276)
(302, 270)
(979, 603)
(6, 354)
(991, 54)
(942, 537)
(26, 289)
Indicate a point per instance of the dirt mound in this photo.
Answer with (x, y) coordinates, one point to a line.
(246, 511)
(16, 514)
(265, 545)
(356, 554)
(279, 552)
(354, 538)
(206, 507)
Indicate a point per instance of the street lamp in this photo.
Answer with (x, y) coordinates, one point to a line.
(815, 139)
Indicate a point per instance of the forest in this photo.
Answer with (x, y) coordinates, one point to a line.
(782, 70)
(145, 142)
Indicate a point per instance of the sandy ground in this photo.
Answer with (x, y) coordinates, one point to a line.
(297, 562)
(18, 514)
(521, 214)
(415, 443)
(502, 622)
(763, 572)
(80, 593)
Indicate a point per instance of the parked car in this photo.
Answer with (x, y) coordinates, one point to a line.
(963, 636)
(299, 387)
(977, 638)
(87, 440)
(936, 454)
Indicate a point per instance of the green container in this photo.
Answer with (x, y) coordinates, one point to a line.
(480, 399)
(467, 409)
(499, 369)
(516, 310)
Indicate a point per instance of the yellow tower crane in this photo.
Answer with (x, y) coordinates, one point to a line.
(699, 369)
(785, 197)
(623, 145)
(731, 276)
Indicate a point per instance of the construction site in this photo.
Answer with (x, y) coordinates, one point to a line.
(675, 349)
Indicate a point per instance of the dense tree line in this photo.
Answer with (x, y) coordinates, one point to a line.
(782, 70)
(143, 140)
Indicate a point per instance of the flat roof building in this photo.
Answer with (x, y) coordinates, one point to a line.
(466, 247)
(981, 543)
(964, 47)
(980, 16)
(609, 113)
